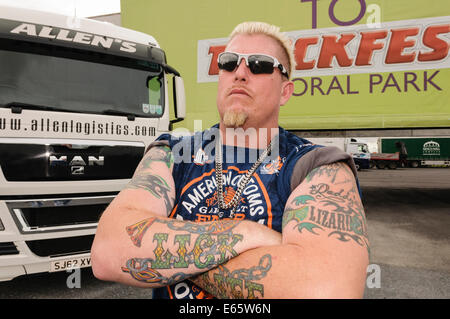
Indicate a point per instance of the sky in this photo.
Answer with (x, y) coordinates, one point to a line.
(83, 8)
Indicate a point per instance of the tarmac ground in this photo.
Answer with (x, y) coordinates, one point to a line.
(408, 213)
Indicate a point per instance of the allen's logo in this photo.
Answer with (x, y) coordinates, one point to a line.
(46, 32)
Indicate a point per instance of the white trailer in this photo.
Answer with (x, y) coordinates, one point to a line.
(357, 149)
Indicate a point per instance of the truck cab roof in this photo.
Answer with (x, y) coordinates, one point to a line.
(74, 23)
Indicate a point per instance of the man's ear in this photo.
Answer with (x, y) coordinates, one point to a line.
(287, 89)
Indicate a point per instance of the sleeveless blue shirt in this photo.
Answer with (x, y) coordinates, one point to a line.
(263, 199)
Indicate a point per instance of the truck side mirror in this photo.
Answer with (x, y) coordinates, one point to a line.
(179, 98)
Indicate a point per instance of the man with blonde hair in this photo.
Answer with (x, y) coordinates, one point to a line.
(234, 119)
(288, 224)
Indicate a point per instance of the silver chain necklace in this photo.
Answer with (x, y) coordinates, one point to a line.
(242, 183)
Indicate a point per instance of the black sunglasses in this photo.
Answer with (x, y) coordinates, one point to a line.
(256, 62)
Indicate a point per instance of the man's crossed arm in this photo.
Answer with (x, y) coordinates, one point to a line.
(137, 244)
(324, 249)
(322, 252)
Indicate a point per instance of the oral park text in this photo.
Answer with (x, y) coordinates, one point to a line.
(374, 83)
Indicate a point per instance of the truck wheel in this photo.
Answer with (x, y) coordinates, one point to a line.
(381, 165)
(372, 164)
(392, 165)
(414, 164)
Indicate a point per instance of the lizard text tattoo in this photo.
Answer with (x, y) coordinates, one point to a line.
(329, 208)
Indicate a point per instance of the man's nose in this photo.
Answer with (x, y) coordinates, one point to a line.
(242, 71)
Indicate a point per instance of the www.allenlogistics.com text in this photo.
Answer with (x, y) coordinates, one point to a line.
(71, 126)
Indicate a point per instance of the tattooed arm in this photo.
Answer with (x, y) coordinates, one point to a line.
(137, 244)
(325, 218)
(324, 253)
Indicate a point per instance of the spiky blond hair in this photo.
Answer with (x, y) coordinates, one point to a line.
(272, 31)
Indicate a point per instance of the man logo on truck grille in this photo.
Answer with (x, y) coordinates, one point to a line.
(77, 163)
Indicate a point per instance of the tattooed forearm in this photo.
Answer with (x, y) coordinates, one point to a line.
(240, 283)
(329, 209)
(196, 246)
(141, 270)
(137, 231)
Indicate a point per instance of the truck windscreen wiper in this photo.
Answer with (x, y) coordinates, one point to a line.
(130, 116)
(17, 107)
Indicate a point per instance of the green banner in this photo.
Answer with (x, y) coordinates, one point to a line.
(361, 64)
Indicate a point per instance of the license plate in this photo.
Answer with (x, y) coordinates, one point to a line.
(70, 263)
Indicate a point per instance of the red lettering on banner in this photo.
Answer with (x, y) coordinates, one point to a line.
(215, 51)
(439, 46)
(301, 47)
(395, 45)
(368, 45)
(332, 47)
(398, 43)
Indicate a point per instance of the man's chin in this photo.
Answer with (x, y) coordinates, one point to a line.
(234, 119)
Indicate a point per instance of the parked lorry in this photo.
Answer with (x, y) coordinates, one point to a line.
(357, 149)
(80, 100)
(412, 152)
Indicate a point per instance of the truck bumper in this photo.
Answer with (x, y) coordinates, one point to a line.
(32, 241)
(24, 261)
(11, 272)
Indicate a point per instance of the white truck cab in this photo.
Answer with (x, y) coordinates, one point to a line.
(80, 100)
(357, 149)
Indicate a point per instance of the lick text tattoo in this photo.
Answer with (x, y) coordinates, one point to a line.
(198, 246)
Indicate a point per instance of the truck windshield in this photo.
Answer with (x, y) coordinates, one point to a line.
(86, 82)
(363, 148)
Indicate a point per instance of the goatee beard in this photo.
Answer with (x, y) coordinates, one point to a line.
(234, 119)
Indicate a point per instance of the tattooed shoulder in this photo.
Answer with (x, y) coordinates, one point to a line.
(147, 179)
(328, 202)
(157, 154)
